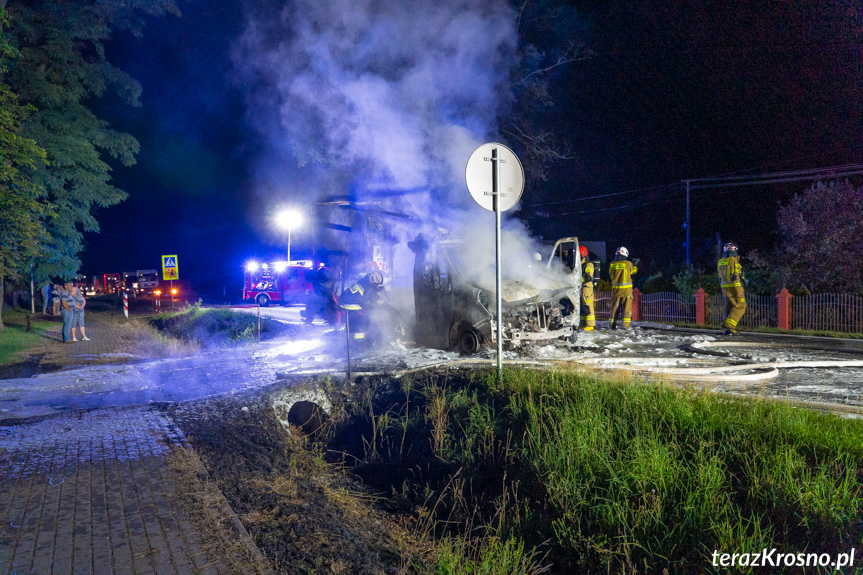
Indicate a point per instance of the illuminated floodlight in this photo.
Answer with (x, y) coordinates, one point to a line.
(280, 266)
(252, 266)
(158, 292)
(289, 219)
(173, 291)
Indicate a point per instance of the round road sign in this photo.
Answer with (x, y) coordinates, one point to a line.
(479, 177)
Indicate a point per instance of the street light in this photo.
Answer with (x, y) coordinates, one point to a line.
(289, 219)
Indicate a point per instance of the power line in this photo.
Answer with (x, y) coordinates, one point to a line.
(763, 179)
(651, 189)
(829, 172)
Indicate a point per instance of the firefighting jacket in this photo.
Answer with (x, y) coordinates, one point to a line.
(621, 272)
(730, 272)
(586, 277)
(361, 294)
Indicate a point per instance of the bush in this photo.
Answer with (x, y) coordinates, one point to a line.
(690, 279)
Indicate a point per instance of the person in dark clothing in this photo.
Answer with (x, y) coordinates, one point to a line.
(322, 302)
(67, 310)
(361, 300)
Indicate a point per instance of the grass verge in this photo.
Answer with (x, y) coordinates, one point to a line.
(212, 328)
(580, 473)
(14, 338)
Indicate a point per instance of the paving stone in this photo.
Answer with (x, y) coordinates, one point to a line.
(90, 492)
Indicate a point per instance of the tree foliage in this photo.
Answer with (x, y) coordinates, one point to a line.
(60, 69)
(21, 211)
(549, 40)
(822, 231)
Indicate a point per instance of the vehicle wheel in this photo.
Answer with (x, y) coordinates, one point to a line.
(468, 341)
(263, 300)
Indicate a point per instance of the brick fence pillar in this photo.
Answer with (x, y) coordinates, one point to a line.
(699, 306)
(783, 301)
(636, 305)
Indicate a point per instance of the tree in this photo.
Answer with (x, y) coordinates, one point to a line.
(548, 42)
(21, 211)
(60, 70)
(822, 231)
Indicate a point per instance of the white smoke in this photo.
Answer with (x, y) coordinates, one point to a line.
(369, 95)
(385, 98)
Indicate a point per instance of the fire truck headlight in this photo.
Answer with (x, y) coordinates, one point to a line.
(158, 292)
(280, 266)
(265, 266)
(252, 266)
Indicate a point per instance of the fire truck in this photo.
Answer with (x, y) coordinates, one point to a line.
(278, 282)
(111, 283)
(148, 281)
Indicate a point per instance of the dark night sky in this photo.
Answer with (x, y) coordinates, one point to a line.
(674, 90)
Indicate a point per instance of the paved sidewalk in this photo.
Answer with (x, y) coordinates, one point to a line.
(91, 493)
(113, 340)
(111, 336)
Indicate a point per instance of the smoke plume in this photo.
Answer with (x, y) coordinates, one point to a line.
(384, 100)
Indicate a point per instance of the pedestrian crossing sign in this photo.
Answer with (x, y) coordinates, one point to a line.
(170, 270)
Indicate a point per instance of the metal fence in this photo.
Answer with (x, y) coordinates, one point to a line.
(602, 305)
(760, 310)
(662, 307)
(829, 312)
(668, 306)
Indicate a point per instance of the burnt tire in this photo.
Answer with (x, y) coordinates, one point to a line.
(469, 342)
(263, 300)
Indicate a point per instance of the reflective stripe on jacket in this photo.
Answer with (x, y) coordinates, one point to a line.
(586, 278)
(621, 272)
(729, 268)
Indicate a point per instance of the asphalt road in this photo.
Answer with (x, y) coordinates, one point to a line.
(764, 365)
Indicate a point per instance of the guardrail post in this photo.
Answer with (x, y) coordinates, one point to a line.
(636, 305)
(699, 306)
(783, 301)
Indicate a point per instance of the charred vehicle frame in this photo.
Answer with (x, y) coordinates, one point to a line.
(454, 313)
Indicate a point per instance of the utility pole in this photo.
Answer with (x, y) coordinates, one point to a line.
(686, 224)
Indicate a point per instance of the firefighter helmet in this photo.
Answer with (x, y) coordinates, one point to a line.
(622, 251)
(376, 278)
(582, 251)
(729, 247)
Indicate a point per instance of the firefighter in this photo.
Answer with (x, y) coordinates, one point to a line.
(730, 278)
(587, 318)
(322, 301)
(361, 298)
(621, 270)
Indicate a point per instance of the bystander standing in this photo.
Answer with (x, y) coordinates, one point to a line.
(78, 313)
(67, 310)
(46, 297)
(55, 300)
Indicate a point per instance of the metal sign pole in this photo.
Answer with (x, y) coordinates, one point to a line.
(495, 192)
(510, 177)
(348, 338)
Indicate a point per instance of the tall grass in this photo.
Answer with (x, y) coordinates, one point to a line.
(655, 475)
(584, 473)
